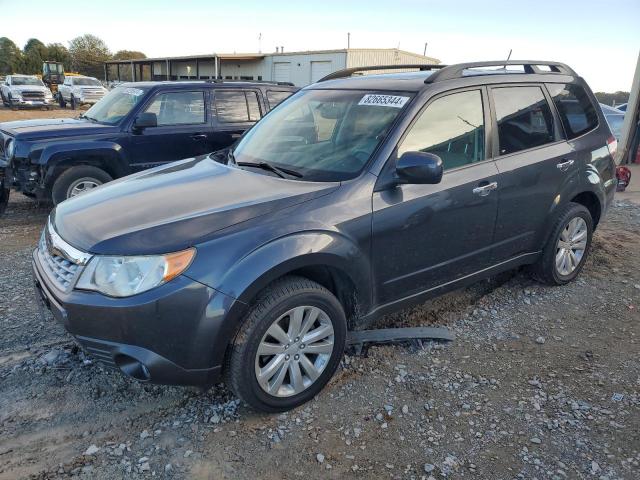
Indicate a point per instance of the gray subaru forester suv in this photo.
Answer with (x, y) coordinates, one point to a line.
(355, 197)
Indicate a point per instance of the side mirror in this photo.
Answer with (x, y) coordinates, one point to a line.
(419, 167)
(145, 120)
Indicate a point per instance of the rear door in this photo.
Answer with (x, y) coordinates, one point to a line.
(534, 163)
(235, 112)
(183, 130)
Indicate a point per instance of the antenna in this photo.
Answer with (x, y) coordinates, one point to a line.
(260, 43)
(508, 57)
(348, 40)
(424, 54)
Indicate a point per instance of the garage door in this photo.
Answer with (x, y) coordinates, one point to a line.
(320, 69)
(282, 71)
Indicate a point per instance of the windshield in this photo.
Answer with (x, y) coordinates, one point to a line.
(87, 81)
(115, 105)
(324, 135)
(26, 81)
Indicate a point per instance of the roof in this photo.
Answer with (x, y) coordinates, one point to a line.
(260, 55)
(218, 83)
(406, 81)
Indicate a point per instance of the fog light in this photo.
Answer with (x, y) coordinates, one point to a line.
(132, 367)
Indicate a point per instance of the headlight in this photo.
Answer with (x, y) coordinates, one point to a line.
(126, 276)
(10, 149)
(15, 94)
(48, 94)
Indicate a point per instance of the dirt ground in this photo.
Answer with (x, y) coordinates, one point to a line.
(540, 382)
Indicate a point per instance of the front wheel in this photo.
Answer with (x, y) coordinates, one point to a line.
(74, 104)
(289, 346)
(567, 248)
(76, 181)
(61, 101)
(4, 196)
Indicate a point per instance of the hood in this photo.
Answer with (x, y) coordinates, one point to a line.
(174, 207)
(29, 88)
(52, 127)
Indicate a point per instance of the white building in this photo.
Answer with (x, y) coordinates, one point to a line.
(299, 68)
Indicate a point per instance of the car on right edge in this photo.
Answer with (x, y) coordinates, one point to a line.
(355, 197)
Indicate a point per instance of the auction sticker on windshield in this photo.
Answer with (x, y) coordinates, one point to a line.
(376, 100)
(136, 92)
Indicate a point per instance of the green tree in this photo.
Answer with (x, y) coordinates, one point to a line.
(56, 52)
(11, 60)
(128, 55)
(88, 54)
(34, 53)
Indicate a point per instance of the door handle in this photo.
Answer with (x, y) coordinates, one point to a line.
(485, 190)
(199, 136)
(564, 166)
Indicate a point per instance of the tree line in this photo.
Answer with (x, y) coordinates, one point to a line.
(85, 54)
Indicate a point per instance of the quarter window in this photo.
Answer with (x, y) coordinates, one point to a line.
(275, 97)
(178, 108)
(524, 118)
(451, 127)
(576, 110)
(237, 106)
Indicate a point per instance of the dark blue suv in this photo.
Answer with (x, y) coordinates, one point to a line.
(134, 127)
(353, 198)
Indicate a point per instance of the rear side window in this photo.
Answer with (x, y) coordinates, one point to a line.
(524, 118)
(576, 111)
(451, 127)
(237, 106)
(275, 97)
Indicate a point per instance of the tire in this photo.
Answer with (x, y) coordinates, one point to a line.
(273, 305)
(4, 100)
(11, 105)
(4, 197)
(74, 105)
(61, 101)
(546, 269)
(67, 180)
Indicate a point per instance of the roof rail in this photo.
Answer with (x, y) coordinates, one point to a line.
(347, 72)
(530, 66)
(269, 82)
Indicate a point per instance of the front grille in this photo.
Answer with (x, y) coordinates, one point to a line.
(92, 94)
(32, 95)
(59, 270)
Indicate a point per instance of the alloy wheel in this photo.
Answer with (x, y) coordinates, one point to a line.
(571, 246)
(294, 351)
(82, 186)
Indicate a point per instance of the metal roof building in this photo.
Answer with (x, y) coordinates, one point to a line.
(299, 68)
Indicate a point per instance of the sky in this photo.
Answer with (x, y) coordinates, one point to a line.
(598, 39)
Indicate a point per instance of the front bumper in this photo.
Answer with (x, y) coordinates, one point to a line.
(175, 334)
(31, 103)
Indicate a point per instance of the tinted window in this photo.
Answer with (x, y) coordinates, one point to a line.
(178, 108)
(524, 118)
(577, 113)
(254, 106)
(451, 127)
(232, 106)
(275, 97)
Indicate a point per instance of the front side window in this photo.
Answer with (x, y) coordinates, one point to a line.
(577, 113)
(178, 108)
(524, 118)
(323, 135)
(451, 127)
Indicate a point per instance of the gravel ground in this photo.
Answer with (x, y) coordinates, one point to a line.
(540, 382)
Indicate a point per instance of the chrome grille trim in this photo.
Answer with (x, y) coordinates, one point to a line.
(61, 262)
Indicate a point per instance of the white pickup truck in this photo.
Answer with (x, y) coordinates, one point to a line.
(25, 91)
(78, 91)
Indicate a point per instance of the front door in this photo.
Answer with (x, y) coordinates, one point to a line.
(427, 235)
(183, 130)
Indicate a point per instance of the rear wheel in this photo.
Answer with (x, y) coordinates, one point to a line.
(288, 347)
(567, 248)
(4, 100)
(76, 181)
(11, 104)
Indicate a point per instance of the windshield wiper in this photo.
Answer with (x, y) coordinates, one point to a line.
(268, 166)
(91, 119)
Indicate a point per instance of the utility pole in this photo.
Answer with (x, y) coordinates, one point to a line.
(348, 40)
(424, 54)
